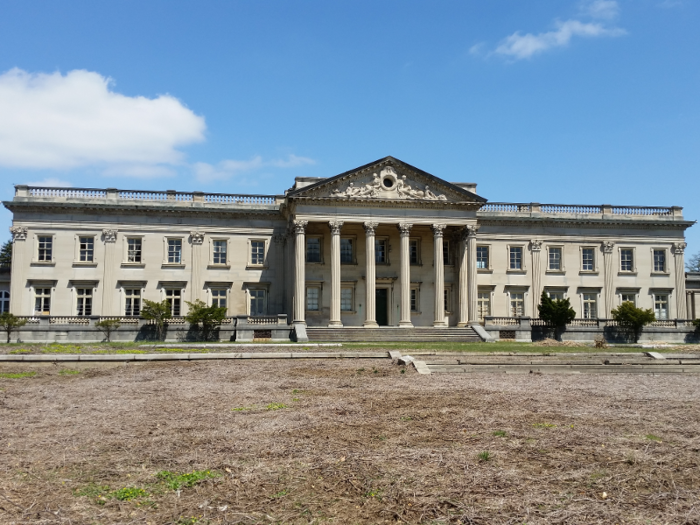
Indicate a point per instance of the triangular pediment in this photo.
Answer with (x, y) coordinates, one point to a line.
(387, 179)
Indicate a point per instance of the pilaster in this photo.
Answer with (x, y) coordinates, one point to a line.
(471, 273)
(405, 232)
(678, 259)
(536, 249)
(609, 292)
(19, 237)
(463, 312)
(196, 275)
(110, 263)
(300, 272)
(371, 277)
(439, 265)
(335, 320)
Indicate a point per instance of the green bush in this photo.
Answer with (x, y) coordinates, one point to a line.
(632, 318)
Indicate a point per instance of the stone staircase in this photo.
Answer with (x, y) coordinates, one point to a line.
(390, 334)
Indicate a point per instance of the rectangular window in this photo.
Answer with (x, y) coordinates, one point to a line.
(132, 304)
(590, 306)
(218, 298)
(414, 251)
(446, 253)
(483, 304)
(84, 306)
(174, 298)
(380, 251)
(588, 259)
(257, 253)
(628, 297)
(626, 260)
(219, 255)
(313, 294)
(554, 259)
(414, 300)
(42, 301)
(516, 258)
(346, 300)
(313, 250)
(482, 257)
(87, 249)
(446, 299)
(257, 302)
(4, 301)
(133, 250)
(517, 304)
(174, 252)
(347, 253)
(660, 261)
(556, 296)
(661, 306)
(45, 248)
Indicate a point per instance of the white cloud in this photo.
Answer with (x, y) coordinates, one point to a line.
(227, 169)
(603, 9)
(50, 182)
(521, 46)
(74, 120)
(139, 171)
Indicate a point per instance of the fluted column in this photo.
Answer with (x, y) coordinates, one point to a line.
(439, 264)
(335, 320)
(536, 249)
(609, 292)
(110, 263)
(463, 312)
(405, 230)
(196, 275)
(678, 259)
(473, 314)
(19, 237)
(371, 277)
(300, 271)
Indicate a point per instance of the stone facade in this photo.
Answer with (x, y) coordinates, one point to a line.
(383, 244)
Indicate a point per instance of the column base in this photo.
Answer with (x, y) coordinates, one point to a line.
(335, 324)
(370, 324)
(462, 324)
(405, 324)
(440, 324)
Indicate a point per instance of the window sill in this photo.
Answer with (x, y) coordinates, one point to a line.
(172, 265)
(348, 312)
(588, 272)
(626, 273)
(84, 264)
(484, 270)
(256, 267)
(43, 263)
(133, 265)
(318, 263)
(556, 272)
(517, 271)
(660, 274)
(219, 267)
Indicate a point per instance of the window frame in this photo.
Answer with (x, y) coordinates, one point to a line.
(595, 260)
(316, 285)
(266, 248)
(76, 300)
(125, 258)
(633, 270)
(595, 301)
(559, 290)
(37, 244)
(252, 290)
(562, 268)
(415, 241)
(348, 285)
(78, 250)
(489, 267)
(4, 301)
(166, 289)
(212, 252)
(448, 299)
(320, 249)
(166, 252)
(666, 270)
(126, 296)
(488, 291)
(353, 246)
(523, 266)
(655, 295)
(447, 253)
(383, 239)
(517, 291)
(51, 290)
(415, 299)
(623, 292)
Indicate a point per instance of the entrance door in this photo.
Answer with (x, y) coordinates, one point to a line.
(382, 304)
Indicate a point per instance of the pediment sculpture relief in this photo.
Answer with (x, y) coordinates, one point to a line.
(388, 185)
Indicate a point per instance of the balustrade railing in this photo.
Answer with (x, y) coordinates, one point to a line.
(640, 210)
(221, 198)
(72, 193)
(570, 208)
(576, 209)
(502, 321)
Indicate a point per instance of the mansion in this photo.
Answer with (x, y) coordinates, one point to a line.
(385, 244)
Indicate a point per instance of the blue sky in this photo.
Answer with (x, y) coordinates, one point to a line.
(545, 101)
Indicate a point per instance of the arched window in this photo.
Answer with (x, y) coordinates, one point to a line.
(4, 301)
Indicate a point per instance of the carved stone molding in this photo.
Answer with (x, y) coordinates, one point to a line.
(388, 184)
(370, 227)
(110, 235)
(608, 246)
(536, 246)
(19, 233)
(470, 231)
(300, 226)
(279, 238)
(404, 228)
(679, 248)
(197, 237)
(335, 227)
(438, 229)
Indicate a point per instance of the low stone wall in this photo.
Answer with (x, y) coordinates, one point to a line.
(83, 330)
(525, 329)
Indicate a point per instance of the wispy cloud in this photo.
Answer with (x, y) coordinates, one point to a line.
(228, 169)
(519, 46)
(50, 182)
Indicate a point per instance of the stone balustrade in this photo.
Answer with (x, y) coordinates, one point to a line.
(501, 208)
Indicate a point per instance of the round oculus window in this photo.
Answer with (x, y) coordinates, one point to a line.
(388, 182)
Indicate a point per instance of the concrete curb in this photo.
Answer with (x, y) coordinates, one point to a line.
(125, 358)
(244, 345)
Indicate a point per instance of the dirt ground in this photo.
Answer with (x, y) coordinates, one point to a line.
(344, 441)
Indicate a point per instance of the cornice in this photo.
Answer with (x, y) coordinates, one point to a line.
(642, 223)
(359, 202)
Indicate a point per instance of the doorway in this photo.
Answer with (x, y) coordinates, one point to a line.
(382, 306)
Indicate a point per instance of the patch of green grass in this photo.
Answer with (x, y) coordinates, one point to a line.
(276, 406)
(484, 456)
(99, 493)
(176, 481)
(192, 520)
(128, 493)
(280, 494)
(21, 351)
(374, 493)
(544, 425)
(499, 433)
(58, 348)
(17, 375)
(241, 409)
(598, 475)
(297, 391)
(652, 437)
(68, 372)
(296, 399)
(406, 418)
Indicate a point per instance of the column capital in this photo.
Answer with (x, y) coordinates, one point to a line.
(536, 246)
(19, 233)
(335, 226)
(438, 229)
(679, 248)
(608, 246)
(109, 235)
(300, 226)
(279, 238)
(404, 228)
(370, 226)
(197, 237)
(469, 231)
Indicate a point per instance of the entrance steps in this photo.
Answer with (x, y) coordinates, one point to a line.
(388, 334)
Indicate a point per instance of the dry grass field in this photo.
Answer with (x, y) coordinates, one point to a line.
(343, 441)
